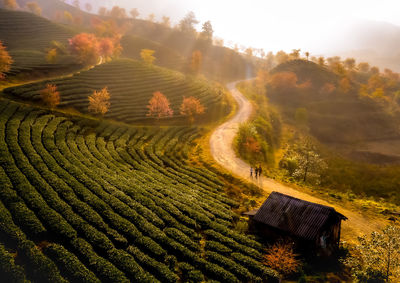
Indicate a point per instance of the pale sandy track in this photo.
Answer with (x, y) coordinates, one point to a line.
(221, 144)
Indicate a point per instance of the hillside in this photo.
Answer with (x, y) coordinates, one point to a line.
(148, 216)
(52, 7)
(333, 117)
(165, 57)
(131, 85)
(26, 37)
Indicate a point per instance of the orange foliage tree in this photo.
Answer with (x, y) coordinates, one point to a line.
(282, 258)
(284, 81)
(134, 13)
(99, 102)
(197, 60)
(10, 4)
(34, 8)
(191, 107)
(117, 12)
(50, 96)
(147, 56)
(85, 47)
(5, 61)
(108, 28)
(106, 48)
(159, 106)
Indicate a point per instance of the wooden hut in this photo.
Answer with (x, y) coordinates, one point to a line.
(310, 225)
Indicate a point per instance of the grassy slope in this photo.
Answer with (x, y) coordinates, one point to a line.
(26, 37)
(131, 85)
(165, 57)
(149, 215)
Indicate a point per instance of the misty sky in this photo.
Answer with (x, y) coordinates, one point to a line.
(274, 25)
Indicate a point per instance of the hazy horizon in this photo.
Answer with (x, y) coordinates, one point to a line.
(273, 25)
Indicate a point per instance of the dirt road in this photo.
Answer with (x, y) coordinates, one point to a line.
(221, 144)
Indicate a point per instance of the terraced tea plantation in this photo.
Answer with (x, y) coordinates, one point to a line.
(131, 85)
(165, 57)
(26, 37)
(84, 201)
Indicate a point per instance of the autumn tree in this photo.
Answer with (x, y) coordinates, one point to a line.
(159, 106)
(117, 13)
(147, 56)
(5, 61)
(363, 67)
(377, 258)
(321, 61)
(281, 57)
(10, 4)
(109, 48)
(207, 32)
(196, 62)
(349, 64)
(166, 21)
(295, 54)
(68, 17)
(374, 70)
(34, 8)
(151, 17)
(52, 56)
(85, 47)
(191, 107)
(50, 96)
(106, 28)
(187, 24)
(281, 257)
(99, 102)
(134, 13)
(307, 54)
(283, 81)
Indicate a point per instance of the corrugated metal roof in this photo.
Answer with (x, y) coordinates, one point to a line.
(298, 217)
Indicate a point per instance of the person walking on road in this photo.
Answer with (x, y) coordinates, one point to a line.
(256, 170)
(259, 170)
(251, 172)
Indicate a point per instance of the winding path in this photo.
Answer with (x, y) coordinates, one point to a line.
(221, 145)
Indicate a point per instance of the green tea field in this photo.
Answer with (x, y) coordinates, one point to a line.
(148, 216)
(131, 85)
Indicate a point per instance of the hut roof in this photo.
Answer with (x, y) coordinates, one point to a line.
(295, 216)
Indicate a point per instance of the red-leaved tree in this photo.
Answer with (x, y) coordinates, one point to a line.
(159, 106)
(191, 107)
(85, 47)
(50, 96)
(5, 61)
